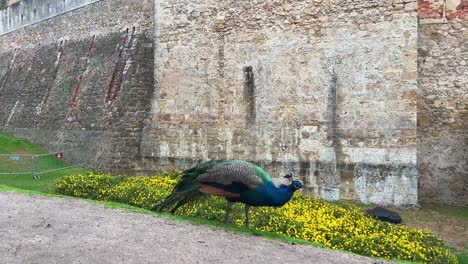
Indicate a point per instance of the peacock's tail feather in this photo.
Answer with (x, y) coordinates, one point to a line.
(186, 190)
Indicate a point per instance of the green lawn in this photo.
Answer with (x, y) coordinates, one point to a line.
(462, 258)
(44, 184)
(11, 145)
(451, 211)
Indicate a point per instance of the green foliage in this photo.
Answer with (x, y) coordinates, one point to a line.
(462, 258)
(342, 226)
(86, 186)
(9, 144)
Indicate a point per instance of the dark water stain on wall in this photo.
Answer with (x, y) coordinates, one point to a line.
(331, 109)
(249, 94)
(343, 172)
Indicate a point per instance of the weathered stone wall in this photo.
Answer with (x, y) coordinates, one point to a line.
(442, 102)
(329, 90)
(81, 80)
(326, 89)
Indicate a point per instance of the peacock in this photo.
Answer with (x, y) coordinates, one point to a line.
(236, 180)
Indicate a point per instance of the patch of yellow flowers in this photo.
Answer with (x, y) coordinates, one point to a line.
(343, 226)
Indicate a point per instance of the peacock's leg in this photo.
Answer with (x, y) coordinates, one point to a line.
(228, 210)
(247, 209)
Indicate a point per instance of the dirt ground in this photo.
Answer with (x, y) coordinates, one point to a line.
(40, 229)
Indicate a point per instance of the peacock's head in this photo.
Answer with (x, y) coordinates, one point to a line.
(296, 184)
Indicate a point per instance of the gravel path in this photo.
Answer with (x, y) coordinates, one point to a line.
(41, 229)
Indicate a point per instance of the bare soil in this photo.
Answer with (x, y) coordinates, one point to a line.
(41, 229)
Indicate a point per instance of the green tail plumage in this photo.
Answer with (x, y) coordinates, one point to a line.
(185, 191)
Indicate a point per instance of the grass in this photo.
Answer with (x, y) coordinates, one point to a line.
(45, 184)
(11, 145)
(451, 211)
(463, 257)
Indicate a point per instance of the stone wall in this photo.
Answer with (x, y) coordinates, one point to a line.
(81, 80)
(442, 102)
(325, 89)
(328, 90)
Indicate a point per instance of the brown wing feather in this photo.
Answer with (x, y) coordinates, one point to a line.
(229, 172)
(216, 191)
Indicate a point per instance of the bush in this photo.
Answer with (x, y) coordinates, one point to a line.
(343, 227)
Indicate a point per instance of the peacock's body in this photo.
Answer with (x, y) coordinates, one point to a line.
(236, 180)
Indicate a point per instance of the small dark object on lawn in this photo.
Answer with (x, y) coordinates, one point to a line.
(384, 215)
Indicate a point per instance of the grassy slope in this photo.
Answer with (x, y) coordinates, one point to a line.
(45, 184)
(11, 145)
(18, 146)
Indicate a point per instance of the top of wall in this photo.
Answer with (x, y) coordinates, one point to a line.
(19, 14)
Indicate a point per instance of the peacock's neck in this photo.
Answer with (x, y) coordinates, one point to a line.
(281, 195)
(266, 195)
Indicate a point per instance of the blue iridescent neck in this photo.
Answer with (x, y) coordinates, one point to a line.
(282, 194)
(267, 195)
